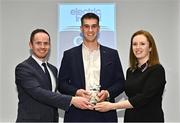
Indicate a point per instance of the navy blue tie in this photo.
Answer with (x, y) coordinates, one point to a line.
(47, 74)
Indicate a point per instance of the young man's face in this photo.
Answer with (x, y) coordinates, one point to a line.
(40, 45)
(90, 30)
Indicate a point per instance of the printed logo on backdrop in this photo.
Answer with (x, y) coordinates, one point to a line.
(69, 21)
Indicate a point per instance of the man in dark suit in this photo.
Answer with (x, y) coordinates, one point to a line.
(90, 67)
(36, 85)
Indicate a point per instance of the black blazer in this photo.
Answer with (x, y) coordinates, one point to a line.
(145, 90)
(37, 103)
(72, 78)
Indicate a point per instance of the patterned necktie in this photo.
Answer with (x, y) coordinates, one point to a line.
(47, 74)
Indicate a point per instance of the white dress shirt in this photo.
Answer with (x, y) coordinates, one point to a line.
(91, 60)
(53, 80)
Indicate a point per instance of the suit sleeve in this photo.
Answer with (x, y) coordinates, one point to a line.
(64, 79)
(28, 80)
(112, 76)
(118, 78)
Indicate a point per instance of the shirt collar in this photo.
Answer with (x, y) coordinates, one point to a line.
(39, 61)
(87, 49)
(143, 67)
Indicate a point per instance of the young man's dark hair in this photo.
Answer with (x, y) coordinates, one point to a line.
(89, 16)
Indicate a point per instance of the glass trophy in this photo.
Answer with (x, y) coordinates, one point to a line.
(94, 89)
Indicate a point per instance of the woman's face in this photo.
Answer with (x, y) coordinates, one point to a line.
(141, 48)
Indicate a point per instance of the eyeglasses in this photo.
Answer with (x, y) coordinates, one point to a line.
(88, 27)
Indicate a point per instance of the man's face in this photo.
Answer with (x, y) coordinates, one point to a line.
(40, 45)
(90, 30)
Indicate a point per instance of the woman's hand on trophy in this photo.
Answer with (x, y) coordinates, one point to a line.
(104, 106)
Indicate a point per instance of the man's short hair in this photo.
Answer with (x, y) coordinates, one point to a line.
(90, 16)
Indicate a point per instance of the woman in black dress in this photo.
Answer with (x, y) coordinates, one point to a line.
(145, 83)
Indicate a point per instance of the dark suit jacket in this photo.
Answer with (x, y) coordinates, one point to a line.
(72, 78)
(36, 101)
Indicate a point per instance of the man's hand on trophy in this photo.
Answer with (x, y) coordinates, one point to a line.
(103, 95)
(82, 103)
(83, 93)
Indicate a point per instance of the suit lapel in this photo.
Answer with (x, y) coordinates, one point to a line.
(39, 70)
(79, 61)
(35, 65)
(53, 70)
(105, 60)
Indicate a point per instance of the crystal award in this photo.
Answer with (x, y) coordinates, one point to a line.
(94, 89)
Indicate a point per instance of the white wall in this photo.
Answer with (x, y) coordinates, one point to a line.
(0, 57)
(160, 17)
(19, 19)
(179, 44)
